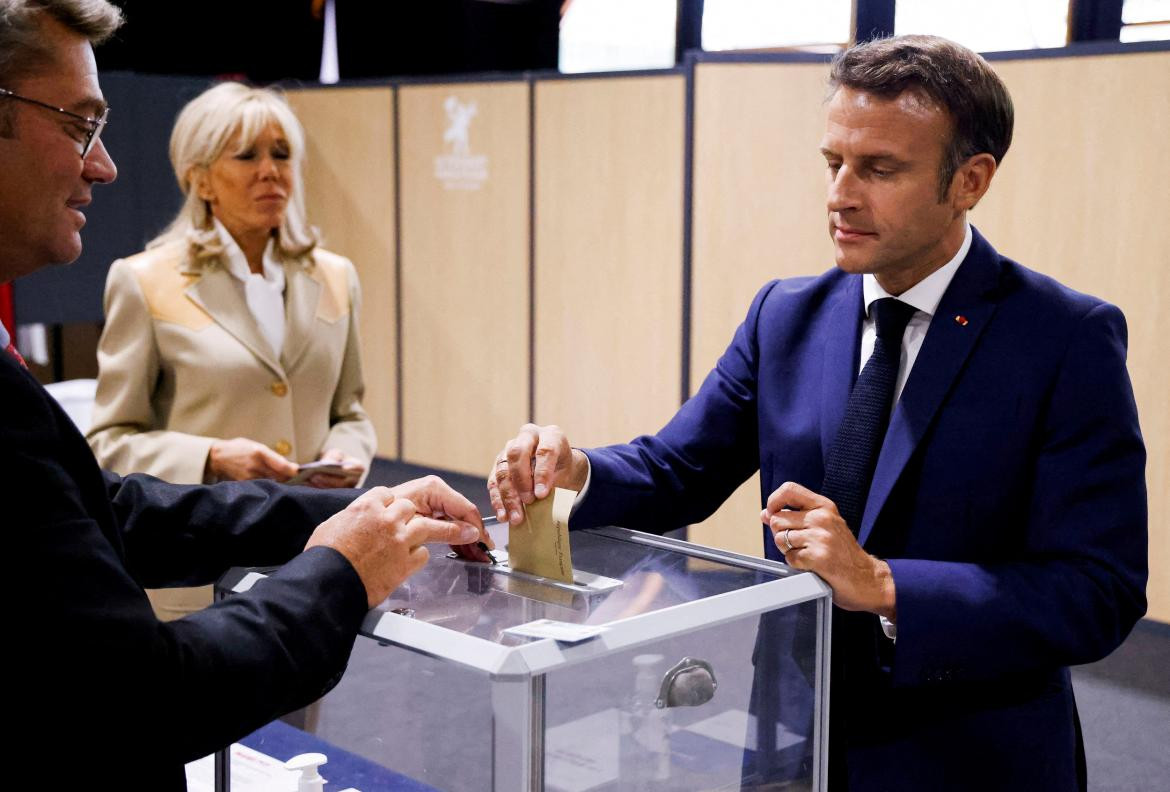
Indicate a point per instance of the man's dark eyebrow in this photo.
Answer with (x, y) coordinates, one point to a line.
(867, 159)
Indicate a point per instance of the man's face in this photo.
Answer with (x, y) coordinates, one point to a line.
(45, 185)
(885, 216)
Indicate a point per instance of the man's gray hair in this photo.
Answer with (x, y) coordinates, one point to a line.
(22, 49)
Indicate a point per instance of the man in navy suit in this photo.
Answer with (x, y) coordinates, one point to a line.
(97, 686)
(1002, 534)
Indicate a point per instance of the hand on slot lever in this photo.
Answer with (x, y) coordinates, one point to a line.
(432, 497)
(383, 533)
(530, 465)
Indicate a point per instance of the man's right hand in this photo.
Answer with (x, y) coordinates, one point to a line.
(384, 540)
(239, 459)
(530, 465)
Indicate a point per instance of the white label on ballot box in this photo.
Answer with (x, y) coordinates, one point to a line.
(566, 632)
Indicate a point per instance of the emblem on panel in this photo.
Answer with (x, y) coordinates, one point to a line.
(458, 168)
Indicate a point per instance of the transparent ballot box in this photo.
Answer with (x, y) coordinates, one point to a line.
(706, 670)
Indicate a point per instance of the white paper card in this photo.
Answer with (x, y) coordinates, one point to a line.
(565, 632)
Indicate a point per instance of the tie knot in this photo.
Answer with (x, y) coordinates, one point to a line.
(891, 317)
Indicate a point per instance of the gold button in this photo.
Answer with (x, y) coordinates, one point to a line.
(279, 388)
(282, 447)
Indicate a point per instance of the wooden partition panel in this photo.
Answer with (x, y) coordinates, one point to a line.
(759, 214)
(465, 296)
(1082, 196)
(349, 186)
(608, 319)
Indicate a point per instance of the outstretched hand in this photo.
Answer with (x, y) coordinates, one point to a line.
(384, 537)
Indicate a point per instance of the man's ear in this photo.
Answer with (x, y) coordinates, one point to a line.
(971, 181)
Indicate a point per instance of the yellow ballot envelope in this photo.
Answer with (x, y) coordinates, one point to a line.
(540, 545)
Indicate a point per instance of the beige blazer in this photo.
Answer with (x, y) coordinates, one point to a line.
(182, 362)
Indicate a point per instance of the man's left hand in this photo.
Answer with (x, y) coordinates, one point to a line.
(811, 534)
(433, 497)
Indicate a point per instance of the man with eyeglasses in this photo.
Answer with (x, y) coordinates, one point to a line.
(98, 687)
(62, 175)
(88, 128)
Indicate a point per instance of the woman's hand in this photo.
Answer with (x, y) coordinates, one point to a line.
(239, 458)
(354, 469)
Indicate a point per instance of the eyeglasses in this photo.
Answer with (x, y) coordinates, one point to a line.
(93, 126)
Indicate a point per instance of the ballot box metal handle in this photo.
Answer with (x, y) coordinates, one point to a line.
(689, 683)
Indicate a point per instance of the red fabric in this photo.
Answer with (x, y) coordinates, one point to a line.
(6, 313)
(12, 351)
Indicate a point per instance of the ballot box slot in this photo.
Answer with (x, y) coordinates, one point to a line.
(584, 582)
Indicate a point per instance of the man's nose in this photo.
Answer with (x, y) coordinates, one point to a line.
(99, 166)
(842, 193)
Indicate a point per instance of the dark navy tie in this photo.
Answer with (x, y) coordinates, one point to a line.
(855, 451)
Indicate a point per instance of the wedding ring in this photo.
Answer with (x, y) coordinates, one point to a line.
(787, 541)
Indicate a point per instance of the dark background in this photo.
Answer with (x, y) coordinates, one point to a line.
(269, 40)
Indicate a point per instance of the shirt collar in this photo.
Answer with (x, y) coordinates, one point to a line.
(237, 263)
(927, 293)
(5, 339)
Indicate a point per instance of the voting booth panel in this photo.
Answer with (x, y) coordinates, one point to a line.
(663, 666)
(465, 290)
(1081, 197)
(349, 185)
(608, 251)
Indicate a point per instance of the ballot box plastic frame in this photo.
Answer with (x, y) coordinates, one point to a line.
(518, 674)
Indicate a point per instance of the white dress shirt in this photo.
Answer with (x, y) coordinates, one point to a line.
(264, 292)
(925, 297)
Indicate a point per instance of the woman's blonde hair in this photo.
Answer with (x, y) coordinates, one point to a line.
(202, 133)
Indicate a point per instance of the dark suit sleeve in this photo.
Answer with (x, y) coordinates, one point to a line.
(1082, 585)
(189, 535)
(95, 667)
(186, 687)
(684, 472)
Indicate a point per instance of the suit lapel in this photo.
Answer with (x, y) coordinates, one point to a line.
(215, 293)
(841, 346)
(945, 349)
(301, 296)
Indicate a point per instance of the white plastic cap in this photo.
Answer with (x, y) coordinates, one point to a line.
(307, 764)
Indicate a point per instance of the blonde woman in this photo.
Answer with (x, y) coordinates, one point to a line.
(230, 349)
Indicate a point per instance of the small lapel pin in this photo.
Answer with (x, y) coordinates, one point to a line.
(961, 320)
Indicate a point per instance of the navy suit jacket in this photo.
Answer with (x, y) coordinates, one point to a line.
(97, 687)
(1009, 500)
